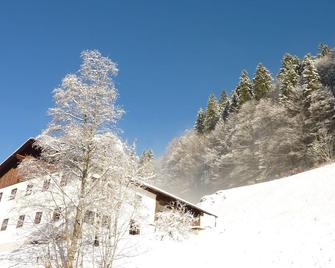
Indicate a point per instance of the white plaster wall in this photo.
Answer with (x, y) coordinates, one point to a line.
(29, 205)
(207, 221)
(11, 209)
(148, 207)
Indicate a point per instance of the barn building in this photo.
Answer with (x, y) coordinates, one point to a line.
(12, 185)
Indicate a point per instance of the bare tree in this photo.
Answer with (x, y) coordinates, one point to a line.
(322, 148)
(88, 169)
(174, 222)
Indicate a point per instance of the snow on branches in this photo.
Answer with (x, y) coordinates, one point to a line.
(174, 222)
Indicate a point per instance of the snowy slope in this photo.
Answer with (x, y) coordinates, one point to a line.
(283, 223)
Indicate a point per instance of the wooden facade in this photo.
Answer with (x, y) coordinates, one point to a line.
(9, 174)
(164, 199)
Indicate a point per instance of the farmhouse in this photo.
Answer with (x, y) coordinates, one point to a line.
(14, 227)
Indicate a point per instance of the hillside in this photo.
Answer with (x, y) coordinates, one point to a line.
(267, 127)
(283, 223)
(287, 222)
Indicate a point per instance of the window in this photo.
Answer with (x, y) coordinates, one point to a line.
(106, 220)
(89, 216)
(4, 225)
(0, 196)
(96, 241)
(138, 200)
(20, 221)
(13, 194)
(134, 228)
(56, 214)
(63, 181)
(38, 217)
(29, 189)
(46, 185)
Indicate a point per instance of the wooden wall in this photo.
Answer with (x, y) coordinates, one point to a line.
(9, 178)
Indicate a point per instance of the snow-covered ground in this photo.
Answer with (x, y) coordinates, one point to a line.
(284, 223)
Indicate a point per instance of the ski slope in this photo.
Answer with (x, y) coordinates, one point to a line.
(283, 223)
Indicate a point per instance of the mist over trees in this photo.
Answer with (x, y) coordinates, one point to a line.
(268, 128)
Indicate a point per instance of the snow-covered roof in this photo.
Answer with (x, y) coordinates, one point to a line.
(148, 186)
(161, 191)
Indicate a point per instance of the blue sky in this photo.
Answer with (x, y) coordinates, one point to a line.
(171, 55)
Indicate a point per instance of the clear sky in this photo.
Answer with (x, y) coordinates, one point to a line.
(171, 55)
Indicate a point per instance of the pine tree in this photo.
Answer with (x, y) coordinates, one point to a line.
(224, 99)
(262, 82)
(244, 88)
(224, 105)
(147, 156)
(288, 75)
(326, 68)
(235, 102)
(212, 114)
(199, 123)
(324, 50)
(310, 77)
(226, 111)
(322, 110)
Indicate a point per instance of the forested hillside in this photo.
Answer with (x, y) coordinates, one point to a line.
(269, 127)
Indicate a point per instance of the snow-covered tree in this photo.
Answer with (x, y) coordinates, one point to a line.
(174, 222)
(224, 104)
(263, 139)
(243, 147)
(235, 102)
(244, 88)
(262, 82)
(224, 100)
(226, 111)
(183, 167)
(199, 122)
(310, 77)
(146, 156)
(324, 51)
(147, 164)
(212, 115)
(326, 69)
(288, 75)
(81, 147)
(321, 150)
(279, 140)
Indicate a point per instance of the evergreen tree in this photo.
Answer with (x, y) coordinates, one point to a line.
(310, 78)
(212, 114)
(235, 102)
(224, 100)
(244, 88)
(324, 50)
(322, 110)
(199, 123)
(262, 82)
(326, 69)
(226, 111)
(147, 156)
(288, 75)
(224, 104)
(146, 164)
